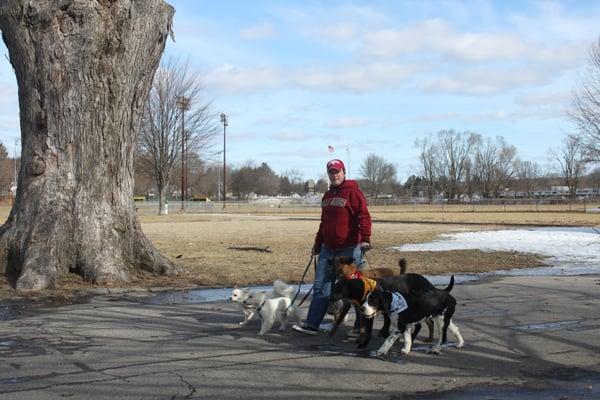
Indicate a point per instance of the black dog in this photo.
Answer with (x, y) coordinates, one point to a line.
(409, 309)
(355, 291)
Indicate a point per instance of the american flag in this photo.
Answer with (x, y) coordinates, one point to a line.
(331, 149)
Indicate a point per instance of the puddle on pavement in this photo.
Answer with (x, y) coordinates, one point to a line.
(13, 309)
(195, 296)
(547, 326)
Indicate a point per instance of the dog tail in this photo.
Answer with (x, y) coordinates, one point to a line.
(450, 285)
(282, 289)
(402, 265)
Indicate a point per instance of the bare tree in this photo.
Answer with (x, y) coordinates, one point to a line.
(377, 173)
(571, 161)
(429, 164)
(454, 150)
(495, 165)
(84, 69)
(527, 172)
(585, 111)
(159, 142)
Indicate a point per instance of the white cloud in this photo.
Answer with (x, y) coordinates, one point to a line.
(489, 81)
(552, 21)
(356, 78)
(228, 78)
(439, 38)
(544, 98)
(347, 122)
(262, 31)
(340, 32)
(540, 113)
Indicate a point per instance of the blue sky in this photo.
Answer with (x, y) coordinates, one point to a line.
(373, 76)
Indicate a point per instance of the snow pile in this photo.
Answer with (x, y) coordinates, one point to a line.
(570, 250)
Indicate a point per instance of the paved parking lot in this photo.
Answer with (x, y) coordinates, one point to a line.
(526, 337)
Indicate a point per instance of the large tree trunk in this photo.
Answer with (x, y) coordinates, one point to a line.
(84, 69)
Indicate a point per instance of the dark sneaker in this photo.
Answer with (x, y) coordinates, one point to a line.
(305, 329)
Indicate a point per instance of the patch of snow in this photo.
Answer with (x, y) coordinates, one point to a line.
(571, 251)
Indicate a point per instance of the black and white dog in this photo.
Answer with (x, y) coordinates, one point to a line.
(409, 309)
(355, 291)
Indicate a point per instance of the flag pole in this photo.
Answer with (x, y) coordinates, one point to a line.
(348, 169)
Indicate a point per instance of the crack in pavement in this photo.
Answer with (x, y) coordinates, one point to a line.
(189, 385)
(226, 364)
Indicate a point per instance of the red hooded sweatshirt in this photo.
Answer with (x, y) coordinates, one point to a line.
(345, 219)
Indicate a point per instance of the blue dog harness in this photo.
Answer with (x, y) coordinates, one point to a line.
(398, 304)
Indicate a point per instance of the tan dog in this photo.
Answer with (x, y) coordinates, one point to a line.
(345, 267)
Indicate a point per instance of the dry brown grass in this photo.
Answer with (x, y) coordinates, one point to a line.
(202, 243)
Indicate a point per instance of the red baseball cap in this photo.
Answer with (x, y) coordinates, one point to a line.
(335, 164)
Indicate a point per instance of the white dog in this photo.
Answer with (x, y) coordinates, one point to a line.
(239, 296)
(273, 306)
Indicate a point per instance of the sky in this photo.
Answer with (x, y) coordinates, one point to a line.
(371, 77)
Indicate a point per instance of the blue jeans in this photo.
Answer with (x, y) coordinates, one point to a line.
(324, 279)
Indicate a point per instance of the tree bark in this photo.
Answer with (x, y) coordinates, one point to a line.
(84, 69)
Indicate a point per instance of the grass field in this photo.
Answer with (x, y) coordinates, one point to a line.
(201, 242)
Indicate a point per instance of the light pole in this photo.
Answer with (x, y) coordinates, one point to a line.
(16, 144)
(224, 122)
(183, 103)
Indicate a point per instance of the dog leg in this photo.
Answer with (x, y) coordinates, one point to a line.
(459, 339)
(385, 329)
(340, 318)
(267, 324)
(429, 323)
(365, 332)
(248, 315)
(389, 342)
(415, 331)
(438, 320)
(407, 340)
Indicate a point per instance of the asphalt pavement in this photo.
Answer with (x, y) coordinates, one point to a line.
(525, 338)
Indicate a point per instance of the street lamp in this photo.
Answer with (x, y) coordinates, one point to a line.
(183, 103)
(224, 122)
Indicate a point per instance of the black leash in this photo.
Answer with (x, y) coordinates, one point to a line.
(311, 288)
(312, 257)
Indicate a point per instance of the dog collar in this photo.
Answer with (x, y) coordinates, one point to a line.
(355, 275)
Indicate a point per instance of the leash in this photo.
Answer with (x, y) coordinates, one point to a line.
(312, 258)
(364, 257)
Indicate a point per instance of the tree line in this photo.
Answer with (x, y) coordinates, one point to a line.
(176, 147)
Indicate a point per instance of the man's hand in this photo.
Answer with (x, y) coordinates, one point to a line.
(365, 246)
(315, 250)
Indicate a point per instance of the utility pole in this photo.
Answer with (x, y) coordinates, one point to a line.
(224, 122)
(183, 103)
(15, 155)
